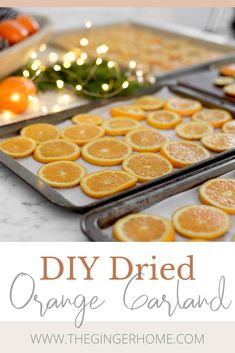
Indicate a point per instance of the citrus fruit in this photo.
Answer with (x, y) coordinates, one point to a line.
(200, 221)
(82, 133)
(18, 147)
(128, 111)
(107, 182)
(216, 117)
(230, 89)
(149, 102)
(228, 70)
(143, 227)
(120, 126)
(164, 119)
(41, 132)
(197, 240)
(219, 142)
(13, 31)
(229, 127)
(183, 153)
(106, 151)
(193, 130)
(223, 81)
(62, 174)
(28, 22)
(87, 119)
(183, 106)
(145, 140)
(56, 150)
(219, 193)
(147, 166)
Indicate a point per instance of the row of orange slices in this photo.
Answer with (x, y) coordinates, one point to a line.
(59, 149)
(196, 222)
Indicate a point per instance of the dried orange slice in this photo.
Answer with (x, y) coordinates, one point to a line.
(107, 182)
(164, 119)
(147, 166)
(87, 119)
(219, 193)
(219, 142)
(149, 102)
(128, 111)
(145, 140)
(228, 70)
(193, 130)
(106, 151)
(230, 89)
(56, 150)
(223, 81)
(41, 132)
(82, 133)
(200, 221)
(183, 106)
(183, 153)
(229, 127)
(62, 174)
(216, 117)
(18, 147)
(143, 227)
(120, 126)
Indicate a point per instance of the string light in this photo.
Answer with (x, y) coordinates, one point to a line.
(33, 55)
(102, 49)
(44, 109)
(99, 61)
(88, 24)
(57, 67)
(80, 61)
(53, 57)
(78, 87)
(70, 56)
(26, 73)
(125, 84)
(132, 64)
(84, 56)
(105, 87)
(67, 64)
(42, 47)
(7, 115)
(60, 84)
(111, 64)
(84, 42)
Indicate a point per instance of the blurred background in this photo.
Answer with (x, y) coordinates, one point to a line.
(220, 20)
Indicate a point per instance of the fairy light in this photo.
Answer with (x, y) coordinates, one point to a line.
(139, 73)
(60, 84)
(105, 87)
(33, 55)
(78, 87)
(111, 64)
(35, 66)
(53, 57)
(99, 61)
(84, 42)
(102, 49)
(67, 64)
(80, 61)
(42, 67)
(56, 108)
(7, 115)
(132, 64)
(57, 67)
(125, 84)
(38, 72)
(42, 47)
(84, 56)
(88, 24)
(44, 109)
(70, 56)
(26, 73)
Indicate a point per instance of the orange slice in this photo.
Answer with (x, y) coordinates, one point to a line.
(219, 142)
(41, 132)
(197, 240)
(82, 133)
(228, 70)
(200, 221)
(164, 119)
(216, 117)
(18, 147)
(56, 150)
(143, 227)
(145, 140)
(87, 119)
(193, 130)
(184, 153)
(183, 106)
(219, 193)
(149, 102)
(128, 111)
(230, 89)
(62, 174)
(147, 166)
(106, 151)
(229, 127)
(120, 126)
(107, 182)
(223, 81)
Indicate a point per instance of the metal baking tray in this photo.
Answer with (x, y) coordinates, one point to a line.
(74, 198)
(162, 200)
(225, 45)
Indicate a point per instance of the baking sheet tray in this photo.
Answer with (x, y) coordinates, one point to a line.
(221, 43)
(74, 198)
(163, 201)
